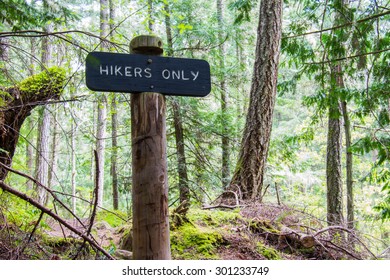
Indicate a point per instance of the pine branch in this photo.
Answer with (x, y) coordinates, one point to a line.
(338, 26)
(348, 57)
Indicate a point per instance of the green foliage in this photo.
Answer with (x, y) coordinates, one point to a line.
(193, 242)
(18, 212)
(243, 9)
(19, 14)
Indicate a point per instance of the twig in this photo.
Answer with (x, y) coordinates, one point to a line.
(49, 212)
(277, 193)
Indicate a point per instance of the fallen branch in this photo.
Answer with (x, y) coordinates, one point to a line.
(43, 186)
(208, 207)
(49, 212)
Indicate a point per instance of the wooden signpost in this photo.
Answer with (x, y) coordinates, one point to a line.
(148, 75)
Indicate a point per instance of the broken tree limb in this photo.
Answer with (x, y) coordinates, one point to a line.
(17, 103)
(49, 212)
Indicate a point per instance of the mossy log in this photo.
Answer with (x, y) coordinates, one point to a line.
(16, 104)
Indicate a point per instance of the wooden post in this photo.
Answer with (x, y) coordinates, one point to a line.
(150, 182)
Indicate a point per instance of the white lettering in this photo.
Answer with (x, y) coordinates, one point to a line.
(128, 71)
(137, 72)
(195, 75)
(166, 74)
(182, 76)
(175, 74)
(148, 74)
(118, 70)
(103, 70)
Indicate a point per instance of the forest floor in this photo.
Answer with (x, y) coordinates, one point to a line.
(255, 231)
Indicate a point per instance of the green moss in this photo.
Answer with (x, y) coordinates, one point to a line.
(214, 218)
(66, 248)
(268, 252)
(260, 226)
(192, 242)
(4, 96)
(114, 219)
(49, 81)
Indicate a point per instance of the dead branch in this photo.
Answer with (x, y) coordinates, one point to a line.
(208, 207)
(49, 212)
(46, 188)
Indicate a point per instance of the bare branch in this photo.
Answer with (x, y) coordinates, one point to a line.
(49, 212)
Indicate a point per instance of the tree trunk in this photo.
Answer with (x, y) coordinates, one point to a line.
(114, 152)
(333, 155)
(349, 166)
(30, 126)
(253, 154)
(150, 16)
(101, 145)
(43, 151)
(29, 154)
(181, 158)
(184, 190)
(224, 99)
(149, 155)
(53, 151)
(73, 175)
(102, 112)
(114, 126)
(43, 154)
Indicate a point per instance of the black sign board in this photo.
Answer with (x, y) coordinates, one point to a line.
(136, 73)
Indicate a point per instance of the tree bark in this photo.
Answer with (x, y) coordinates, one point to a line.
(114, 126)
(349, 166)
(333, 154)
(114, 152)
(29, 146)
(249, 173)
(53, 150)
(101, 145)
(184, 190)
(149, 169)
(102, 111)
(73, 129)
(43, 150)
(43, 154)
(224, 99)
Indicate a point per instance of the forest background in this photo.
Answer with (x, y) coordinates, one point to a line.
(332, 52)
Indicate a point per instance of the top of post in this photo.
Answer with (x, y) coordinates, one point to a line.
(146, 44)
